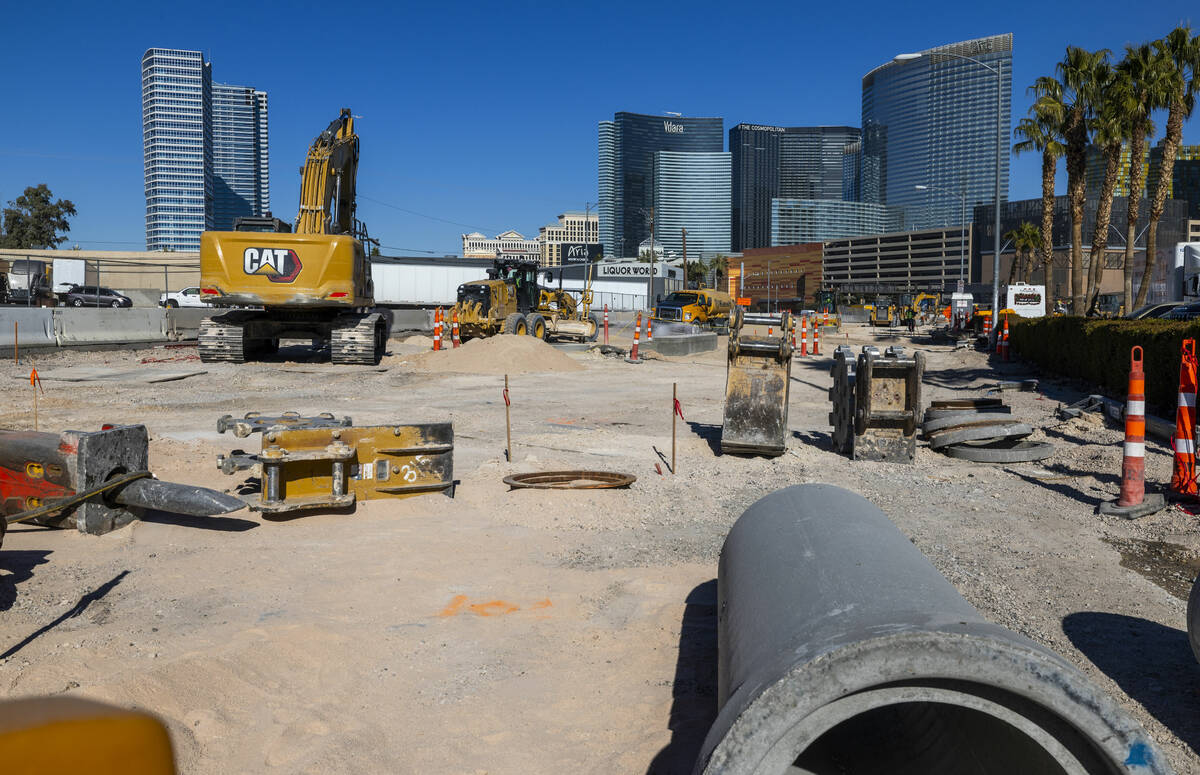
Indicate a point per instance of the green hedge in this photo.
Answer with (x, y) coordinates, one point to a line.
(1098, 351)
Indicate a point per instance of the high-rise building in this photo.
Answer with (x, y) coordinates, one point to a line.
(799, 162)
(797, 221)
(573, 228)
(241, 161)
(691, 191)
(205, 150)
(177, 148)
(932, 121)
(626, 169)
(1185, 174)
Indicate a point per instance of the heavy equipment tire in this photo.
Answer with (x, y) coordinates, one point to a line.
(536, 326)
(515, 324)
(76, 302)
(1002, 452)
(593, 330)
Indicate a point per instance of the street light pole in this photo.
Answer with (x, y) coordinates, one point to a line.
(999, 71)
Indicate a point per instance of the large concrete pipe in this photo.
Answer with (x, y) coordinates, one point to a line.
(843, 650)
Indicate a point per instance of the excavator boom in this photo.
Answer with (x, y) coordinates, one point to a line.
(327, 181)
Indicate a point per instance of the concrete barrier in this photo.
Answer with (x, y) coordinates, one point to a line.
(34, 327)
(184, 322)
(411, 320)
(854, 315)
(683, 345)
(87, 326)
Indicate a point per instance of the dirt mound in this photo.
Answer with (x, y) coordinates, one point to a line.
(495, 355)
(419, 340)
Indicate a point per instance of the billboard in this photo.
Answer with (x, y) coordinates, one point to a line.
(580, 252)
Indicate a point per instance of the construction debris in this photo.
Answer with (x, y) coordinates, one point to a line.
(981, 430)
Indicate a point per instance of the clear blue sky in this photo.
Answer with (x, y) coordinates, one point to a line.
(485, 113)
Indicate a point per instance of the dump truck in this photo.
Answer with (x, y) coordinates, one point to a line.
(700, 307)
(313, 283)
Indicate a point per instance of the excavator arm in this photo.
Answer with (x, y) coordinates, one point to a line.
(327, 181)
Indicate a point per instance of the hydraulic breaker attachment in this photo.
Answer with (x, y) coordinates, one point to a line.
(757, 386)
(876, 404)
(335, 467)
(93, 481)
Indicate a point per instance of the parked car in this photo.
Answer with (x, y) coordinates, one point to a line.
(188, 297)
(96, 296)
(1189, 311)
(1158, 310)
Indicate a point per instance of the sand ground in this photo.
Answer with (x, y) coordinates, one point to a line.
(524, 631)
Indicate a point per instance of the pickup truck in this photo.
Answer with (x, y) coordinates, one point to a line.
(188, 297)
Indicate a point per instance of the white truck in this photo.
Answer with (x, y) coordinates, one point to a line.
(66, 273)
(187, 297)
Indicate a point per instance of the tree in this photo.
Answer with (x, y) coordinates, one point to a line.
(1073, 89)
(1111, 126)
(34, 221)
(1148, 92)
(1041, 132)
(1026, 238)
(1180, 53)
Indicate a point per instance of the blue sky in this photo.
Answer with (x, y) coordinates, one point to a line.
(481, 116)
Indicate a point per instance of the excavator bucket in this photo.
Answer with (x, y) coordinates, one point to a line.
(757, 386)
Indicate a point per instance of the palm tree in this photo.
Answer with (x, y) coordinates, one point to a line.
(1031, 237)
(1110, 127)
(1041, 132)
(1018, 253)
(1143, 66)
(1180, 53)
(1073, 89)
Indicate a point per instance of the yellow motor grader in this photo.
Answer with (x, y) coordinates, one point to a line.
(511, 302)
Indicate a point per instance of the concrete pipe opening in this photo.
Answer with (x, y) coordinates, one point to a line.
(841, 649)
(925, 730)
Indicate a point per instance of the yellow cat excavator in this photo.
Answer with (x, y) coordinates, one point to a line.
(314, 283)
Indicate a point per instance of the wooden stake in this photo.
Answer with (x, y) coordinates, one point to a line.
(674, 400)
(507, 419)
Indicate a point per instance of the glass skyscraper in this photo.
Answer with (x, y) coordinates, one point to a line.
(627, 145)
(241, 161)
(204, 150)
(801, 162)
(177, 148)
(797, 221)
(932, 121)
(691, 191)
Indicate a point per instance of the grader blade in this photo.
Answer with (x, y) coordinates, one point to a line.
(757, 387)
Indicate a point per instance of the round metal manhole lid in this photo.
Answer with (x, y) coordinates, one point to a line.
(570, 480)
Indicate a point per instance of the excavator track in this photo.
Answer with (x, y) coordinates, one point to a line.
(358, 339)
(222, 339)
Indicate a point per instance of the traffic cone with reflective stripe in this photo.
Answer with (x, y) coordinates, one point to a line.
(987, 330)
(437, 329)
(606, 324)
(649, 329)
(816, 338)
(1004, 352)
(1133, 501)
(1183, 478)
(633, 353)
(803, 336)
(454, 328)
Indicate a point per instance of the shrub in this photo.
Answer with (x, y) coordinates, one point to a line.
(1098, 351)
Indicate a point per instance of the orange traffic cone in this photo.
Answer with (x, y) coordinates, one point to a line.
(454, 329)
(1183, 478)
(1133, 501)
(437, 329)
(803, 336)
(637, 329)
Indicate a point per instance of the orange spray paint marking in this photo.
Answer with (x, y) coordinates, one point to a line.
(453, 607)
(494, 608)
(544, 603)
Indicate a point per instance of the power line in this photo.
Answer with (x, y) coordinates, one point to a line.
(430, 217)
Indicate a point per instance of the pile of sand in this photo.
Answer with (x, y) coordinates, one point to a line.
(420, 340)
(504, 354)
